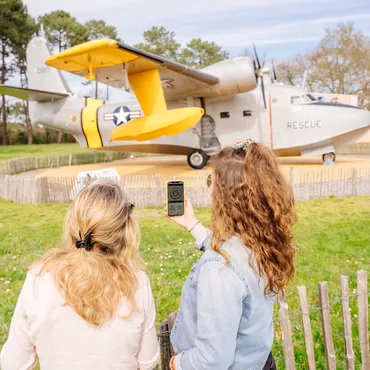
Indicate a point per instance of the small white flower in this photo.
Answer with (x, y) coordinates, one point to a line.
(14, 257)
(161, 257)
(165, 258)
(162, 273)
(6, 282)
(162, 269)
(356, 263)
(14, 269)
(156, 251)
(362, 259)
(347, 260)
(160, 265)
(355, 315)
(179, 270)
(148, 249)
(354, 291)
(7, 291)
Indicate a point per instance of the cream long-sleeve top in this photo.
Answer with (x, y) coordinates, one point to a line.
(47, 331)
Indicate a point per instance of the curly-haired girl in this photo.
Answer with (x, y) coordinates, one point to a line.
(225, 320)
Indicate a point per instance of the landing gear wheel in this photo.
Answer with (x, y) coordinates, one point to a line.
(327, 156)
(197, 159)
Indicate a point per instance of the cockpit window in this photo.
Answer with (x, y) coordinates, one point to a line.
(306, 99)
(295, 100)
(311, 97)
(302, 99)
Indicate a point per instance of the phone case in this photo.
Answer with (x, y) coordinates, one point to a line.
(175, 212)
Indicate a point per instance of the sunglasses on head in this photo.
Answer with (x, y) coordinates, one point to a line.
(208, 178)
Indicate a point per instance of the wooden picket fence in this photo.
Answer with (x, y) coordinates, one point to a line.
(145, 191)
(352, 360)
(24, 164)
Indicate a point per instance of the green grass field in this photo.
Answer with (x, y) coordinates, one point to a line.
(333, 236)
(14, 151)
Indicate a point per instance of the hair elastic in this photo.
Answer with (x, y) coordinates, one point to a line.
(86, 243)
(243, 144)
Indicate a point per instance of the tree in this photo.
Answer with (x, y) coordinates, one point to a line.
(98, 29)
(339, 65)
(159, 41)
(14, 20)
(26, 31)
(200, 54)
(62, 30)
(292, 70)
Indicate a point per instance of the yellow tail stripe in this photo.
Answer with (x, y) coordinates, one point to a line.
(89, 122)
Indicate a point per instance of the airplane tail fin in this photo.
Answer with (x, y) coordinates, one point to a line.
(40, 76)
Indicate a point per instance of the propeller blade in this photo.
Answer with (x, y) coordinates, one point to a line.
(263, 92)
(257, 59)
(274, 70)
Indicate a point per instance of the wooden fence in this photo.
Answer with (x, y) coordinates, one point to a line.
(352, 360)
(24, 164)
(144, 191)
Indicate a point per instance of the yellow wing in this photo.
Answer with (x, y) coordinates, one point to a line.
(116, 64)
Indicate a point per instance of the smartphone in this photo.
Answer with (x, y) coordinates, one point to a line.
(175, 198)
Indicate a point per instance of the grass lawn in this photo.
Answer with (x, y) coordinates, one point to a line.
(333, 236)
(14, 151)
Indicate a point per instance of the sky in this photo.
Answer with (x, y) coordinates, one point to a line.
(279, 28)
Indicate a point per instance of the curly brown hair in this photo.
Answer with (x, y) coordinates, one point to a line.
(251, 199)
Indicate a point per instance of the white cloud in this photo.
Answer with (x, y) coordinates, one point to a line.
(282, 33)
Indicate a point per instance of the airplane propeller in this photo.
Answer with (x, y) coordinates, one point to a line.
(259, 73)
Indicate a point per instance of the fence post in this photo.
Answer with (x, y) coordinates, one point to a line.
(9, 170)
(307, 327)
(58, 159)
(24, 164)
(347, 324)
(291, 177)
(70, 159)
(363, 317)
(165, 345)
(286, 333)
(326, 327)
(354, 181)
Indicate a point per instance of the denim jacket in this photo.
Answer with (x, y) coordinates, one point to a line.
(224, 320)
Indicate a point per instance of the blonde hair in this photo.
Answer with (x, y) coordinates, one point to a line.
(94, 281)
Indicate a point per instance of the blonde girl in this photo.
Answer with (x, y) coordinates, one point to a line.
(87, 304)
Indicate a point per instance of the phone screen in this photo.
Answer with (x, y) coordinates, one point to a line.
(175, 198)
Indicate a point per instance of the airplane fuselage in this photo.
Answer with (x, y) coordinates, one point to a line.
(292, 124)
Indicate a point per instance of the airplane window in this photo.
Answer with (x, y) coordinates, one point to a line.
(295, 100)
(311, 97)
(306, 99)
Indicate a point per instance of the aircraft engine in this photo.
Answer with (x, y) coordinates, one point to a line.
(236, 75)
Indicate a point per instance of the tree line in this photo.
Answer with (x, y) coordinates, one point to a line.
(340, 64)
